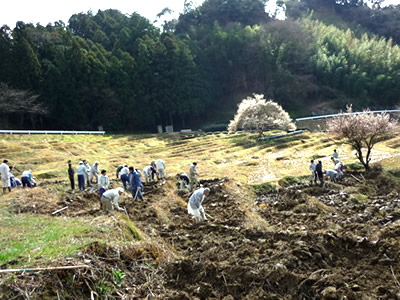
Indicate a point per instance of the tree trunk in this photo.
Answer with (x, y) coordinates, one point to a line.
(360, 157)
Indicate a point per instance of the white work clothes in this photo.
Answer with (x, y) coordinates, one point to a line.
(124, 171)
(197, 198)
(113, 196)
(338, 166)
(27, 174)
(195, 205)
(87, 172)
(313, 167)
(81, 170)
(332, 174)
(5, 175)
(338, 169)
(147, 173)
(160, 164)
(95, 169)
(93, 172)
(104, 181)
(161, 168)
(193, 171)
(335, 155)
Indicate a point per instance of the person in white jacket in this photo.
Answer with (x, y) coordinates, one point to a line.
(104, 182)
(195, 207)
(109, 200)
(87, 172)
(161, 169)
(313, 168)
(94, 172)
(147, 172)
(5, 176)
(81, 172)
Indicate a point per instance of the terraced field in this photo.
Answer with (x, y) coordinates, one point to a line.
(297, 242)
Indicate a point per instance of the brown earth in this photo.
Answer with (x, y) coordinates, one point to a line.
(316, 243)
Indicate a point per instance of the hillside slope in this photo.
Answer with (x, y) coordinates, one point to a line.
(300, 241)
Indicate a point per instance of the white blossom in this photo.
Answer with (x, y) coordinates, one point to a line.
(256, 113)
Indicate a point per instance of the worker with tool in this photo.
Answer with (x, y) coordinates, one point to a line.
(135, 183)
(195, 207)
(109, 200)
(148, 173)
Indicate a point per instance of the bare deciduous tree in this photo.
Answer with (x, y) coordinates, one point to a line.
(362, 131)
(256, 113)
(20, 102)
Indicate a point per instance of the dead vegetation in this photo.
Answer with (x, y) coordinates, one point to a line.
(298, 242)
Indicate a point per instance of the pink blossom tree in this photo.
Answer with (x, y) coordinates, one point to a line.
(362, 131)
(256, 113)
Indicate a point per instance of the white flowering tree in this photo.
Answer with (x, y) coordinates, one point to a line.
(362, 131)
(256, 113)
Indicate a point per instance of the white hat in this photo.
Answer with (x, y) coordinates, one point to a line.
(120, 190)
(81, 162)
(207, 191)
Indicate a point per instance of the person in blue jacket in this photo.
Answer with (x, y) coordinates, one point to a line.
(135, 183)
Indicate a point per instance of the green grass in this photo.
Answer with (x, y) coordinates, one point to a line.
(28, 238)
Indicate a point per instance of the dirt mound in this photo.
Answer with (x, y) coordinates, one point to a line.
(318, 243)
(34, 201)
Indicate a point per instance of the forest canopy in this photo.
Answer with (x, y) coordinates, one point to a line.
(123, 73)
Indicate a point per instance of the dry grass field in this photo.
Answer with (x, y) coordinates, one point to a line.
(155, 232)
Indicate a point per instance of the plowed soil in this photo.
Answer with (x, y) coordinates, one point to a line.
(315, 244)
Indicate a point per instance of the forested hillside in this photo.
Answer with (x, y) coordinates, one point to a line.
(123, 73)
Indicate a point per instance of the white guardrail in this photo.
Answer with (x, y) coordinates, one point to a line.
(354, 113)
(49, 132)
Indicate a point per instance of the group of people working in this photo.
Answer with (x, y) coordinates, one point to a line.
(334, 175)
(130, 177)
(9, 181)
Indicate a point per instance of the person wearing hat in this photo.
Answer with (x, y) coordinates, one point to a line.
(193, 176)
(94, 171)
(195, 207)
(81, 171)
(5, 176)
(109, 200)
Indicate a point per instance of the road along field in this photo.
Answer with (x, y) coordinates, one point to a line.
(295, 242)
